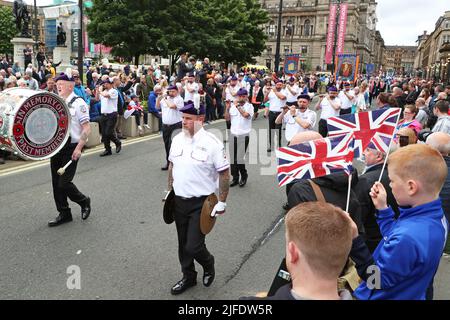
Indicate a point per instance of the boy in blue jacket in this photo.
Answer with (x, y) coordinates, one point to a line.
(407, 258)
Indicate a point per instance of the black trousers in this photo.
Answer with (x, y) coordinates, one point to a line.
(272, 125)
(345, 111)
(167, 131)
(108, 122)
(238, 150)
(191, 241)
(323, 129)
(63, 187)
(137, 116)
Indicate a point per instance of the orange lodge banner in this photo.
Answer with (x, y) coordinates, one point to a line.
(347, 66)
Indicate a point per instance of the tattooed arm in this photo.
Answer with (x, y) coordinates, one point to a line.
(224, 185)
(170, 182)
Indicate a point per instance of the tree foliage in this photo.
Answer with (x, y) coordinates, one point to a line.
(8, 29)
(223, 30)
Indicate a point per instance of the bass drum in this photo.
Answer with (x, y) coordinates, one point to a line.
(34, 125)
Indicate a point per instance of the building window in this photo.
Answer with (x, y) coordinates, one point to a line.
(287, 49)
(304, 50)
(269, 63)
(272, 28)
(307, 28)
(269, 49)
(289, 28)
(447, 25)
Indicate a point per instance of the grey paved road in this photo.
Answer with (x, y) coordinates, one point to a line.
(124, 250)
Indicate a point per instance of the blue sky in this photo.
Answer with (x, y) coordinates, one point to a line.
(401, 21)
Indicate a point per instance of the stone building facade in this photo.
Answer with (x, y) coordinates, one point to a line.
(400, 59)
(432, 59)
(304, 30)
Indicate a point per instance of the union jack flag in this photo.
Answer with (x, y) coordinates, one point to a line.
(375, 128)
(315, 158)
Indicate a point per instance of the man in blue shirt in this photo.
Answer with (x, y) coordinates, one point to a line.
(152, 104)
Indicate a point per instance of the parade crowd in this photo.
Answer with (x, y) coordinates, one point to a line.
(397, 226)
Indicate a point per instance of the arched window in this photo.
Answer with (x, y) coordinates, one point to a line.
(307, 28)
(272, 28)
(289, 28)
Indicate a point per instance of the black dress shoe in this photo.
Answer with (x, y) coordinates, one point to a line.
(118, 147)
(243, 181)
(209, 275)
(60, 219)
(182, 285)
(86, 209)
(106, 153)
(234, 183)
(165, 168)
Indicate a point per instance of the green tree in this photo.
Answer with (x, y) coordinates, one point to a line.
(8, 29)
(223, 30)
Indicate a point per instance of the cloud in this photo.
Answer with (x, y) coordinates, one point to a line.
(401, 22)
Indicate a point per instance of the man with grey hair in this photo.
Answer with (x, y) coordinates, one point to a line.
(441, 142)
(373, 160)
(422, 115)
(32, 83)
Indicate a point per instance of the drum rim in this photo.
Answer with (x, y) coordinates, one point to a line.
(11, 136)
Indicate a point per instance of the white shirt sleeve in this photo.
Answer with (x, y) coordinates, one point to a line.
(82, 111)
(113, 94)
(219, 159)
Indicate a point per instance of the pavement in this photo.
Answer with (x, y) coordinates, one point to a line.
(124, 250)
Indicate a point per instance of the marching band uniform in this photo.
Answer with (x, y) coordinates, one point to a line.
(109, 119)
(240, 136)
(275, 106)
(197, 161)
(292, 90)
(63, 187)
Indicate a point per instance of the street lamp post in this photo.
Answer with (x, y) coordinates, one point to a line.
(36, 30)
(277, 50)
(338, 13)
(80, 41)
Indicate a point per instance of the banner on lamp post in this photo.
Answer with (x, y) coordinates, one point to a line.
(330, 34)
(347, 67)
(342, 28)
(291, 63)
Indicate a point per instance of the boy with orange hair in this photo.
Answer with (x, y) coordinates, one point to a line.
(407, 258)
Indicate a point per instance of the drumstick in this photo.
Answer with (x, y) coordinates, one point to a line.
(62, 170)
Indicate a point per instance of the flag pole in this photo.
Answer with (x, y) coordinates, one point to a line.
(389, 150)
(348, 192)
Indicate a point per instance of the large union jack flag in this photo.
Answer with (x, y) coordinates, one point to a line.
(315, 158)
(375, 128)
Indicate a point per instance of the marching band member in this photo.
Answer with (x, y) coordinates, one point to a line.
(63, 187)
(197, 165)
(277, 99)
(241, 114)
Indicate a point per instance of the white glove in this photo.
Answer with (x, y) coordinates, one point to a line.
(219, 207)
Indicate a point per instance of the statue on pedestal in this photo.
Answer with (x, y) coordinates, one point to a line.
(22, 16)
(61, 36)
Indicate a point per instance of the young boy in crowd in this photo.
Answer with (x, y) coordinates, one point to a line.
(407, 258)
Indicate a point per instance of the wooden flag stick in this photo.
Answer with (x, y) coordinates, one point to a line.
(389, 150)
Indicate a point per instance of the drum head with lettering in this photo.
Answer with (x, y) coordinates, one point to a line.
(41, 126)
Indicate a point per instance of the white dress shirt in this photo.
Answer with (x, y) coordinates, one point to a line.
(292, 97)
(109, 105)
(239, 125)
(327, 110)
(292, 127)
(197, 162)
(275, 103)
(171, 116)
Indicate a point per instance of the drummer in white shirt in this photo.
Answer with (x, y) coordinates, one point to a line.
(298, 118)
(330, 105)
(347, 97)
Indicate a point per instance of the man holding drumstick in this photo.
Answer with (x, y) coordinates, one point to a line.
(63, 186)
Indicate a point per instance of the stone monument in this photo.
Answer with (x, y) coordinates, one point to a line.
(61, 52)
(23, 39)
